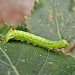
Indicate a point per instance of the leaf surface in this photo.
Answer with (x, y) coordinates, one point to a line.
(53, 20)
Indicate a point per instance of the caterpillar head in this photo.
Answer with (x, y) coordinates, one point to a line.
(65, 42)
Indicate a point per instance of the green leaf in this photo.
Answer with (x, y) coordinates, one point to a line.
(6, 66)
(31, 60)
(18, 58)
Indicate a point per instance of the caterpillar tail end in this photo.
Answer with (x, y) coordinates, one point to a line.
(5, 40)
(8, 36)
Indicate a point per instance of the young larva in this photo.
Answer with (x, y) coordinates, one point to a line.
(36, 40)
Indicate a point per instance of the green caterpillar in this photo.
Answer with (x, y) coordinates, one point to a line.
(36, 40)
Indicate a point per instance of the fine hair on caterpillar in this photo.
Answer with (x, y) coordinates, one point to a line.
(35, 40)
